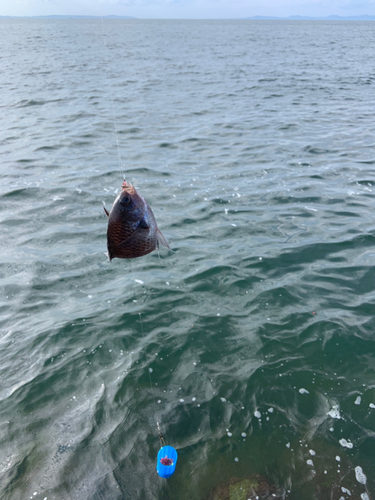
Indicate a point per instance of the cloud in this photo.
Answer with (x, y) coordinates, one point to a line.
(365, 5)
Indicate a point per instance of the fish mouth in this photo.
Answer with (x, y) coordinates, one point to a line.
(128, 188)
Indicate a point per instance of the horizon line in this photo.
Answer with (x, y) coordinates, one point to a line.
(295, 17)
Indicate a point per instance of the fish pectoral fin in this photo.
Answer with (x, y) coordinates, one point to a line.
(127, 241)
(162, 240)
(131, 239)
(106, 211)
(137, 244)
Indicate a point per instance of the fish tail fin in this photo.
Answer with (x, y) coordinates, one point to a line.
(162, 240)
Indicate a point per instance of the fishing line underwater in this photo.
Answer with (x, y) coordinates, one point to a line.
(139, 236)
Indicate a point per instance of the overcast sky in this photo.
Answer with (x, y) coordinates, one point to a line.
(189, 9)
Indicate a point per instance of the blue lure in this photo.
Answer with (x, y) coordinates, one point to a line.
(167, 459)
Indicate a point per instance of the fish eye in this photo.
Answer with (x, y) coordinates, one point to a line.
(125, 201)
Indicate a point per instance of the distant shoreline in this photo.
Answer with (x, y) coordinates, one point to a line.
(253, 18)
(67, 17)
(307, 18)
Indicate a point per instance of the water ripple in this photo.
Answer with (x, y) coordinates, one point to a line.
(251, 141)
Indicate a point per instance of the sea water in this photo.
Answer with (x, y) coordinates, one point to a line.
(253, 143)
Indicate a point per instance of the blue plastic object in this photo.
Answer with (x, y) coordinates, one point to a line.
(166, 470)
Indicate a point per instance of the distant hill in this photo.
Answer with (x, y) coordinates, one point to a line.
(306, 18)
(67, 17)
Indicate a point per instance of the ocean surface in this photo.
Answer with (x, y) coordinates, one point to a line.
(253, 343)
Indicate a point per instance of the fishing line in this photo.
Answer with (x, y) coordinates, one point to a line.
(161, 437)
(167, 456)
(150, 370)
(113, 108)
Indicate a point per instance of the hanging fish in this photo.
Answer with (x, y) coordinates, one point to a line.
(132, 229)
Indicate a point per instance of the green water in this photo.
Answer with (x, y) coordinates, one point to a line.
(253, 144)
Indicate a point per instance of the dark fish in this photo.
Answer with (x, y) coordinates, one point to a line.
(132, 229)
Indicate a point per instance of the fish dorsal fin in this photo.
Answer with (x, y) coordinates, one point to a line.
(162, 240)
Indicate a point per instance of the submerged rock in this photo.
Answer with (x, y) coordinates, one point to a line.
(254, 488)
